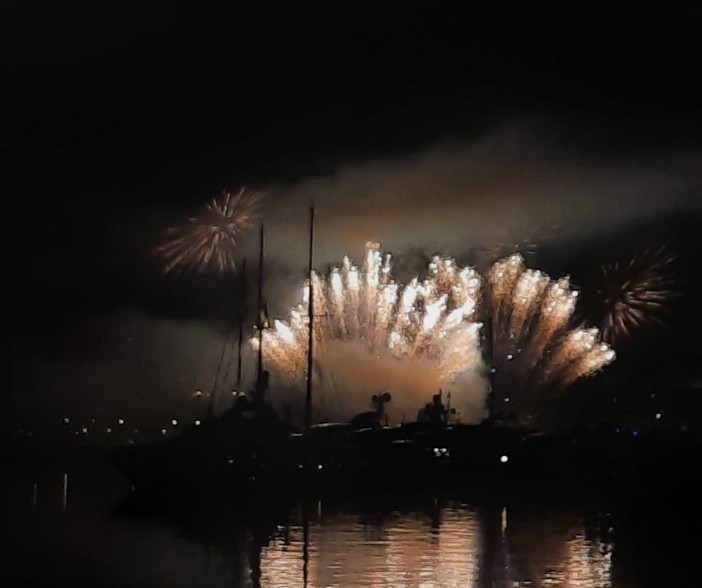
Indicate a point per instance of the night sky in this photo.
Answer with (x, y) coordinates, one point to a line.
(428, 126)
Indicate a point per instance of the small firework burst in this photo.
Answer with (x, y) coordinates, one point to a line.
(502, 240)
(208, 241)
(635, 291)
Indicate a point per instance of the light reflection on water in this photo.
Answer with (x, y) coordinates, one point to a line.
(401, 550)
(428, 542)
(451, 548)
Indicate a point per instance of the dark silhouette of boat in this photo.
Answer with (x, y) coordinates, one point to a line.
(250, 450)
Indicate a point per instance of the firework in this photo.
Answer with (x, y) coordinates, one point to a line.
(634, 292)
(501, 240)
(513, 323)
(208, 241)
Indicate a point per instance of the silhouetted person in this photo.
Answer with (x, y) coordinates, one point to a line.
(437, 413)
(434, 412)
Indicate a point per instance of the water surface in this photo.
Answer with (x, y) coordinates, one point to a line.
(63, 524)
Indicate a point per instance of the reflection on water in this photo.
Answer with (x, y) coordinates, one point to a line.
(449, 547)
(407, 549)
(554, 548)
(61, 527)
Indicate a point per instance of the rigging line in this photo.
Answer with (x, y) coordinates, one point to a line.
(210, 406)
(230, 354)
(224, 380)
(236, 340)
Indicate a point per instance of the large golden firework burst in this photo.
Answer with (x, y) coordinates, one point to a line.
(514, 321)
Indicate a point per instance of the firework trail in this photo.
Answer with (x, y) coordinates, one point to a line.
(634, 292)
(444, 331)
(208, 241)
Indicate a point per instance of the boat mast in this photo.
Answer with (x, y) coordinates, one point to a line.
(488, 345)
(261, 320)
(241, 326)
(310, 327)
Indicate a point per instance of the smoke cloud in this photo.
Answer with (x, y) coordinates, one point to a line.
(348, 375)
(531, 180)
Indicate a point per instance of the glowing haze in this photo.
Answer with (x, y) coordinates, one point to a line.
(454, 330)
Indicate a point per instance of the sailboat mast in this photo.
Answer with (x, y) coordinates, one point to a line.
(259, 364)
(240, 342)
(310, 328)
